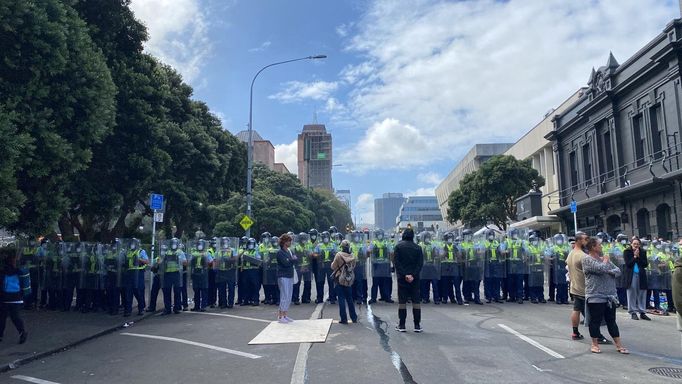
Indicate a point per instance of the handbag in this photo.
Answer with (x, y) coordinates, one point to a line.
(295, 273)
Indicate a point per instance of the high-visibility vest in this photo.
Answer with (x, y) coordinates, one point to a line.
(492, 247)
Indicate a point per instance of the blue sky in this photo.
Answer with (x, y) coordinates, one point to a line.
(408, 86)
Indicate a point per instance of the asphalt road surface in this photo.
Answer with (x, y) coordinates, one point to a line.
(491, 343)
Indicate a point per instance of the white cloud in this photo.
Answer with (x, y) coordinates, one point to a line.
(260, 48)
(364, 209)
(389, 144)
(430, 178)
(437, 77)
(178, 33)
(288, 154)
(428, 191)
(298, 90)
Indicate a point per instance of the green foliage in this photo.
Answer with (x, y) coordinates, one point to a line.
(56, 83)
(488, 194)
(280, 204)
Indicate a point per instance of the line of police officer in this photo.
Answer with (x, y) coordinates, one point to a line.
(514, 268)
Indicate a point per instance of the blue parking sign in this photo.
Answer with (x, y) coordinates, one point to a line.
(156, 202)
(574, 206)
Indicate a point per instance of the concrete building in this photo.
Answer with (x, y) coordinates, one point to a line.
(534, 146)
(315, 157)
(421, 212)
(386, 209)
(618, 147)
(478, 154)
(263, 151)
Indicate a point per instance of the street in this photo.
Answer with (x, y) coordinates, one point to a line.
(507, 343)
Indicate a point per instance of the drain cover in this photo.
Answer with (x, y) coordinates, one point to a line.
(675, 373)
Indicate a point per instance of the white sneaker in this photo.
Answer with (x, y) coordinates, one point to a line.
(282, 320)
(289, 319)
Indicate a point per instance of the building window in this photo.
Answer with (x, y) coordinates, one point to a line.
(638, 135)
(605, 154)
(574, 170)
(656, 131)
(663, 221)
(643, 228)
(587, 164)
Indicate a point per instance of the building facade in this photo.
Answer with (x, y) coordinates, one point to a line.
(386, 209)
(471, 162)
(535, 147)
(315, 157)
(344, 196)
(618, 146)
(263, 151)
(421, 213)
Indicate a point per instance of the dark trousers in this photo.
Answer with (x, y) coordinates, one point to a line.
(425, 286)
(11, 310)
(491, 288)
(345, 296)
(382, 286)
(552, 284)
(137, 291)
(251, 286)
(225, 294)
(360, 290)
(408, 291)
(537, 293)
(445, 289)
(669, 297)
(526, 288)
(562, 293)
(472, 288)
(515, 286)
(307, 291)
(622, 296)
(211, 295)
(183, 292)
(296, 292)
(200, 298)
(324, 274)
(601, 312)
(154, 292)
(167, 298)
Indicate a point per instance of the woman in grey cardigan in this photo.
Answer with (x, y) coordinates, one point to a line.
(600, 294)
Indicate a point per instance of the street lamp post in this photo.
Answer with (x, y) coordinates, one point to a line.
(249, 170)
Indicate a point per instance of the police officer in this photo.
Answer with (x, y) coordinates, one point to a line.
(380, 253)
(29, 259)
(226, 265)
(241, 291)
(517, 265)
(114, 260)
(430, 274)
(451, 271)
(324, 253)
(212, 289)
(136, 262)
(265, 249)
(313, 236)
(170, 267)
(359, 252)
(495, 268)
(250, 274)
(201, 261)
(560, 252)
(536, 277)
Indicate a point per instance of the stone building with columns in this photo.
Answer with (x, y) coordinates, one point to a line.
(618, 147)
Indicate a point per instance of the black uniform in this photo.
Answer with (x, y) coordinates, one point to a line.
(409, 260)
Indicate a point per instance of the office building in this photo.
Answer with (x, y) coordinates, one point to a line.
(420, 212)
(263, 151)
(386, 209)
(315, 157)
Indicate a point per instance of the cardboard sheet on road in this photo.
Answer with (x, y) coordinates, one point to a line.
(300, 331)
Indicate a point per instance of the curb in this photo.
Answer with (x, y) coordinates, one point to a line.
(6, 367)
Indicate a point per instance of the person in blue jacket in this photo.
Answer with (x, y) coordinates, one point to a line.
(15, 285)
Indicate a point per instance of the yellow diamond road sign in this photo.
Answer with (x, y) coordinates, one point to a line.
(246, 222)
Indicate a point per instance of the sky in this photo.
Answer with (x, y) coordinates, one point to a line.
(408, 87)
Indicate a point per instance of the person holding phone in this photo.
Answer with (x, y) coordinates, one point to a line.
(635, 279)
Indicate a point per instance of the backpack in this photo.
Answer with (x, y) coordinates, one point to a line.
(345, 275)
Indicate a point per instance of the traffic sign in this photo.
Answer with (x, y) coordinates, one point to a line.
(158, 217)
(574, 206)
(156, 202)
(246, 222)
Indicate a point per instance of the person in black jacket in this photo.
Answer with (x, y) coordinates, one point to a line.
(635, 279)
(408, 264)
(13, 283)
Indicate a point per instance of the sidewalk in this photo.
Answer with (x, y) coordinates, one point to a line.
(50, 332)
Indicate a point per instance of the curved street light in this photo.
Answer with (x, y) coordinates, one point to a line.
(249, 171)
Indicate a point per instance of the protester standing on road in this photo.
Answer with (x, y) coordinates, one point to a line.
(577, 278)
(636, 263)
(15, 283)
(408, 264)
(285, 277)
(601, 296)
(344, 265)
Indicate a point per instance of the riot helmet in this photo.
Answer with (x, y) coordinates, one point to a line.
(313, 234)
(514, 234)
(645, 244)
(449, 237)
(559, 239)
(379, 234)
(265, 237)
(175, 244)
(243, 240)
(356, 236)
(426, 237)
(333, 230)
(251, 244)
(602, 237)
(274, 241)
(201, 245)
(337, 237)
(534, 239)
(622, 239)
(325, 237)
(490, 234)
(467, 234)
(224, 242)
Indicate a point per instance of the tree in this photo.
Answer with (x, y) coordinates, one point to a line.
(488, 195)
(55, 83)
(12, 145)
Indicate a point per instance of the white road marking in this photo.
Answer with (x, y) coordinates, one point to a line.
(194, 343)
(226, 315)
(298, 375)
(531, 342)
(540, 369)
(33, 379)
